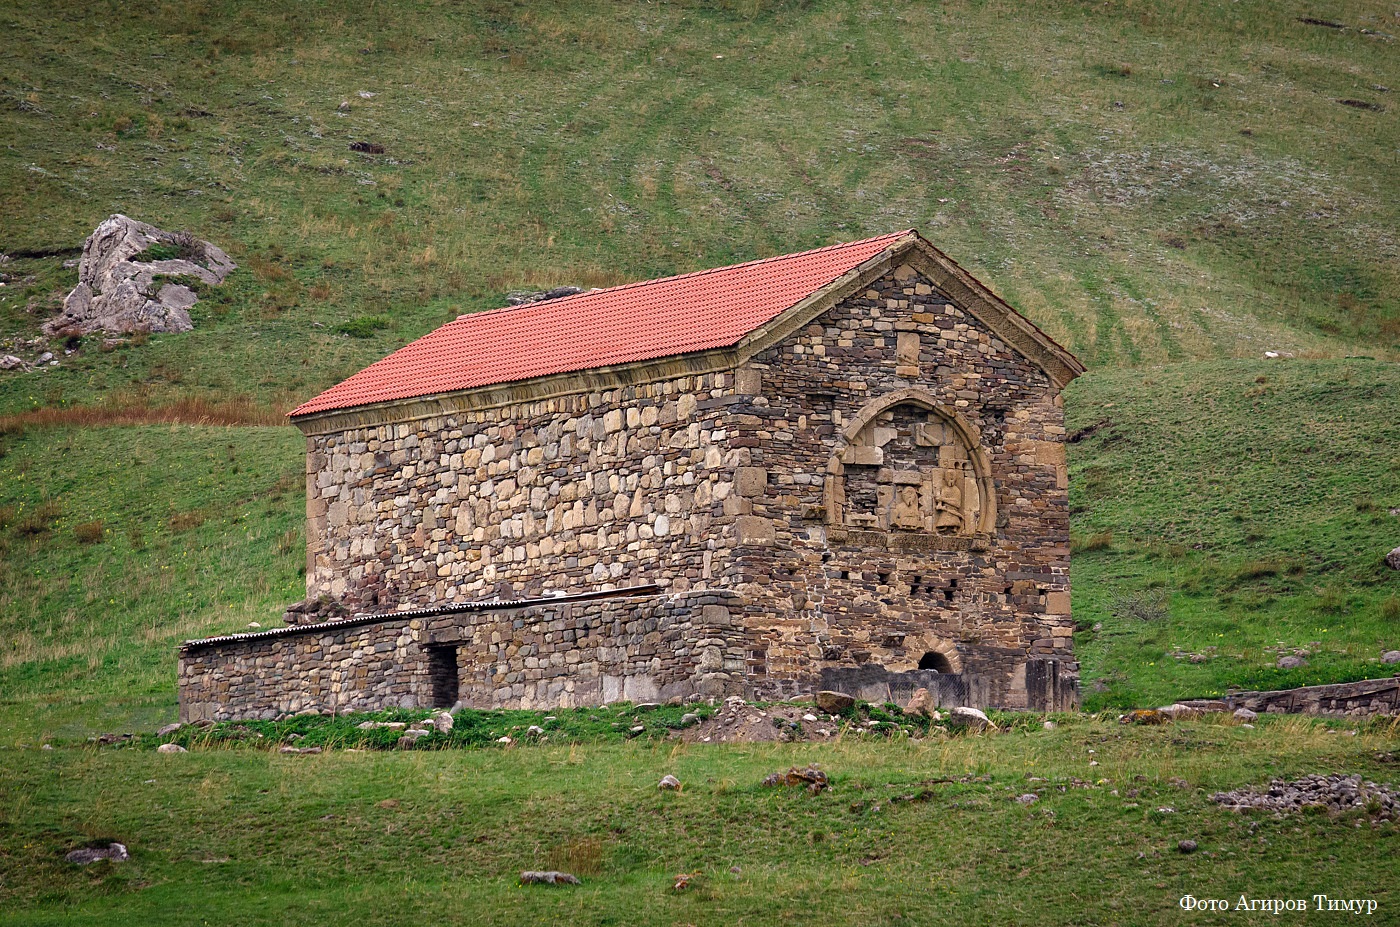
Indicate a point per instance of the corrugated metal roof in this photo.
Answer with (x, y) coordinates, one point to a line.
(634, 322)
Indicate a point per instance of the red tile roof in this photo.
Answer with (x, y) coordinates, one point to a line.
(637, 321)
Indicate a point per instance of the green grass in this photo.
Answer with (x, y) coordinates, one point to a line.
(1154, 183)
(1088, 161)
(244, 835)
(1255, 497)
(201, 532)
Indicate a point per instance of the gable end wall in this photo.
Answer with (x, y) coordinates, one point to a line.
(823, 601)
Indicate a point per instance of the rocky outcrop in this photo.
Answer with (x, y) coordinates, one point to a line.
(133, 278)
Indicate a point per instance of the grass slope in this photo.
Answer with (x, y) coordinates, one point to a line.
(1257, 499)
(247, 836)
(1148, 181)
(189, 530)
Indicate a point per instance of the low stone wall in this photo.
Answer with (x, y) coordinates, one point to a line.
(544, 655)
(1344, 699)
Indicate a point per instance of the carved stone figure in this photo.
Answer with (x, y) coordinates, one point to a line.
(948, 515)
(907, 513)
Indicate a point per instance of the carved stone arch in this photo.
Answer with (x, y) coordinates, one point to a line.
(848, 449)
(916, 648)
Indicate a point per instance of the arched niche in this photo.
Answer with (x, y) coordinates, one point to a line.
(906, 464)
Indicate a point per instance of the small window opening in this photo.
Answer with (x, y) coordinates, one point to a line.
(935, 661)
(442, 675)
(948, 593)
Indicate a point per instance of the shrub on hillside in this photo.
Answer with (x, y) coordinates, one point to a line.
(40, 520)
(1147, 605)
(89, 532)
(363, 327)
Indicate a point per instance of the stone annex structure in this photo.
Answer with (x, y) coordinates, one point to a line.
(843, 468)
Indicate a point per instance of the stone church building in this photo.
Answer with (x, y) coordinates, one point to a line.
(843, 468)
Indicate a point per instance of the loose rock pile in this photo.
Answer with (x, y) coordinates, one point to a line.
(521, 297)
(812, 779)
(1336, 794)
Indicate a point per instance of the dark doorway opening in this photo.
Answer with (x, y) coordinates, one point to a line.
(935, 661)
(442, 675)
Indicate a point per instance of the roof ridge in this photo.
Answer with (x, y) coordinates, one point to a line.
(559, 300)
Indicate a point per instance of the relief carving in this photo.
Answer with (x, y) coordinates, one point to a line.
(908, 469)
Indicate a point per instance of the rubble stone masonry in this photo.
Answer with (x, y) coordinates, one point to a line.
(546, 655)
(880, 492)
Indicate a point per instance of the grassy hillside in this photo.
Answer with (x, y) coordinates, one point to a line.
(1153, 183)
(118, 543)
(1237, 511)
(910, 833)
(1149, 181)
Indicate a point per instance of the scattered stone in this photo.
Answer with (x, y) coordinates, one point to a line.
(970, 718)
(920, 703)
(315, 611)
(1290, 662)
(521, 297)
(637, 729)
(1029, 798)
(1335, 794)
(45, 357)
(10, 362)
(1244, 714)
(835, 703)
(119, 294)
(809, 718)
(171, 748)
(443, 721)
(534, 730)
(371, 725)
(169, 729)
(254, 624)
(689, 718)
(46, 747)
(670, 783)
(811, 778)
(409, 740)
(113, 852)
(1048, 726)
(367, 147)
(548, 878)
(504, 740)
(1186, 846)
(1180, 712)
(1144, 716)
(1391, 656)
(1392, 559)
(300, 750)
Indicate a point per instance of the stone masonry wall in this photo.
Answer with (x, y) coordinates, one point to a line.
(1345, 699)
(823, 595)
(883, 487)
(545, 656)
(614, 487)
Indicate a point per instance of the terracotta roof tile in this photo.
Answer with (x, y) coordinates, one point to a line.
(637, 321)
